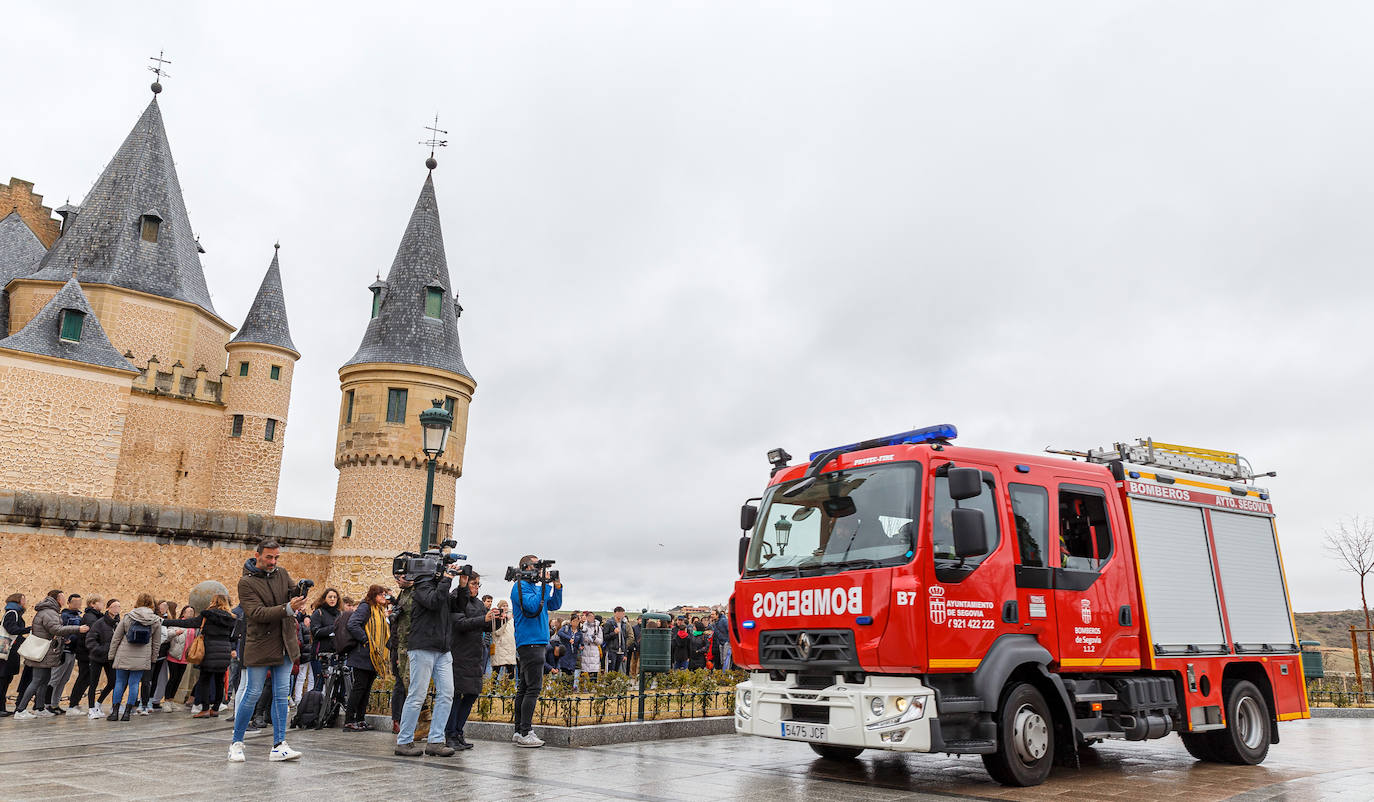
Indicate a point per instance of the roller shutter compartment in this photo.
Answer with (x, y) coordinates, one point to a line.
(1181, 602)
(1256, 603)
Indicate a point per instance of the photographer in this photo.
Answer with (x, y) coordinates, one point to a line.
(270, 601)
(427, 648)
(471, 622)
(532, 601)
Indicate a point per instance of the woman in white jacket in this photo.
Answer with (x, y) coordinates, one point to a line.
(589, 659)
(503, 643)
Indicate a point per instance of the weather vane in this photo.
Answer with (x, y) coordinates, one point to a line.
(159, 71)
(434, 142)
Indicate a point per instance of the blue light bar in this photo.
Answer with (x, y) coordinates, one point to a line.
(864, 620)
(747, 624)
(944, 431)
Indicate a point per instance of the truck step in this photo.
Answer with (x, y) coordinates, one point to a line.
(970, 747)
(960, 704)
(1094, 697)
(1101, 734)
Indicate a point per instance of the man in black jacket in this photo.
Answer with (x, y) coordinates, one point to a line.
(94, 609)
(98, 651)
(427, 651)
(619, 640)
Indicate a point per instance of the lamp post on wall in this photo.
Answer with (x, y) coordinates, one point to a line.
(435, 423)
(784, 529)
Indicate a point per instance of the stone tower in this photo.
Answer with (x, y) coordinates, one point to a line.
(409, 356)
(256, 393)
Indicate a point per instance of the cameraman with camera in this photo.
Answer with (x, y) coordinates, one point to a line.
(531, 602)
(427, 648)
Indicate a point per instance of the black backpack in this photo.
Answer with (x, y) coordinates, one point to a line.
(344, 642)
(309, 713)
(138, 634)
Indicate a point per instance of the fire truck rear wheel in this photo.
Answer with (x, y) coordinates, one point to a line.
(1245, 741)
(1199, 745)
(1025, 738)
(836, 752)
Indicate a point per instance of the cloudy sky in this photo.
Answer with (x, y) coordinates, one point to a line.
(685, 233)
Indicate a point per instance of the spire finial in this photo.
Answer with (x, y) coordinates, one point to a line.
(434, 142)
(157, 69)
(277, 246)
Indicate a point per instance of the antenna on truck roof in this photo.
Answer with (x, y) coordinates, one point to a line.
(1188, 459)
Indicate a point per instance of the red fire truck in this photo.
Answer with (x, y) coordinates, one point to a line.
(908, 594)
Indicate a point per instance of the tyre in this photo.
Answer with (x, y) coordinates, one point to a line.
(1245, 741)
(1199, 745)
(1025, 738)
(836, 752)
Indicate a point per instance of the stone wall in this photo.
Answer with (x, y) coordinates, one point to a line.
(248, 468)
(110, 548)
(18, 194)
(169, 451)
(61, 425)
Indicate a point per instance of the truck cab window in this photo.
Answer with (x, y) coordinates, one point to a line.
(1085, 537)
(1030, 507)
(948, 566)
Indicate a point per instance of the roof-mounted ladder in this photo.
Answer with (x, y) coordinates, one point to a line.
(1187, 459)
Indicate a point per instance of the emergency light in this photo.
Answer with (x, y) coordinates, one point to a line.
(930, 434)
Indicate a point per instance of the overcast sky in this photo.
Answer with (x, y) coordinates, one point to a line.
(686, 233)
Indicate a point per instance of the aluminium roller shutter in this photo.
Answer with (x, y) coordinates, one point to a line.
(1181, 601)
(1256, 604)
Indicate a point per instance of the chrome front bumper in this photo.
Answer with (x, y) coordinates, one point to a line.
(854, 718)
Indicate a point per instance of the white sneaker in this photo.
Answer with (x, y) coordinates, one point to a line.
(516, 738)
(24, 715)
(236, 752)
(283, 752)
(142, 711)
(44, 714)
(531, 741)
(170, 707)
(94, 714)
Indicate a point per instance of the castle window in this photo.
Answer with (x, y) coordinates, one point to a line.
(449, 402)
(376, 300)
(276, 373)
(396, 405)
(243, 368)
(348, 413)
(270, 433)
(348, 527)
(434, 302)
(238, 427)
(70, 327)
(148, 226)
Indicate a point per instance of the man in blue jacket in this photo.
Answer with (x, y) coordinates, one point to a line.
(530, 604)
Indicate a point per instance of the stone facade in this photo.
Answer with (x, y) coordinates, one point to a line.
(18, 195)
(248, 468)
(169, 454)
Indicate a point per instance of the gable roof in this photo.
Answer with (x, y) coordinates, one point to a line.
(40, 335)
(401, 332)
(266, 320)
(104, 244)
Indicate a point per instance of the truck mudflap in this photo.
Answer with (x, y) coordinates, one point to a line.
(882, 712)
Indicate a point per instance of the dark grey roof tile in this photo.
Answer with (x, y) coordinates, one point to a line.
(40, 335)
(266, 320)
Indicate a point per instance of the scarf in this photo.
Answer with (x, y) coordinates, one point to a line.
(378, 633)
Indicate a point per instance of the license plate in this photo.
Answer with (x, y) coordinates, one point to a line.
(805, 732)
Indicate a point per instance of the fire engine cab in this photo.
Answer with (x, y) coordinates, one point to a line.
(908, 594)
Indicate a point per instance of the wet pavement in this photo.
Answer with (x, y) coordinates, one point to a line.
(171, 756)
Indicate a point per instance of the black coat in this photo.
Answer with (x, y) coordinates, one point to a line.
(218, 628)
(360, 657)
(99, 636)
(430, 609)
(469, 624)
(88, 618)
(322, 623)
(681, 645)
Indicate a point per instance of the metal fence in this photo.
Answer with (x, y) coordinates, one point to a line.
(1340, 690)
(557, 707)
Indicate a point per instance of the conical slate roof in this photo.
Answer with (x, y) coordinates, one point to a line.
(20, 252)
(40, 335)
(266, 320)
(104, 242)
(401, 332)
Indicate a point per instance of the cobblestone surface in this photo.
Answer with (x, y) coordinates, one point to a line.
(170, 756)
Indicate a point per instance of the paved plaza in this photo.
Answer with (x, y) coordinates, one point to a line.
(170, 756)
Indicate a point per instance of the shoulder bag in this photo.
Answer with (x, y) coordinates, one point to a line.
(34, 648)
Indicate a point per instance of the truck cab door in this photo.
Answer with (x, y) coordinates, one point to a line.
(1036, 552)
(1094, 581)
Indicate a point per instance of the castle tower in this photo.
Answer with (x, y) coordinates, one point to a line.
(409, 355)
(256, 393)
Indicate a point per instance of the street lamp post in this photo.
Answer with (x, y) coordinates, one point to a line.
(435, 423)
(784, 529)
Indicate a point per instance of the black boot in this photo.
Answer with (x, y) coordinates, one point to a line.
(125, 715)
(114, 713)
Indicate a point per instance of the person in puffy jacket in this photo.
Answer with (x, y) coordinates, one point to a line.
(569, 639)
(47, 623)
(14, 627)
(181, 636)
(470, 619)
(681, 645)
(215, 626)
(324, 620)
(589, 656)
(98, 647)
(133, 647)
(503, 641)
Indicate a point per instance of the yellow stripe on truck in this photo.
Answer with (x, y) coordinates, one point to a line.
(1093, 662)
(952, 663)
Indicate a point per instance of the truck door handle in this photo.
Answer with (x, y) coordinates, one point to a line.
(1010, 614)
(1123, 616)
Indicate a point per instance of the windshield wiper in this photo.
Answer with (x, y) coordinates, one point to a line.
(860, 564)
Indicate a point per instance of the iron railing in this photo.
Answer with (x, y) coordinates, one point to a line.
(557, 707)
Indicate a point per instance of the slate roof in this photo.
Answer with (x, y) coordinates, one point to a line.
(40, 335)
(104, 242)
(266, 320)
(401, 332)
(20, 251)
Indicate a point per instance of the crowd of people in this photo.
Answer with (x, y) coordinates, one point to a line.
(280, 650)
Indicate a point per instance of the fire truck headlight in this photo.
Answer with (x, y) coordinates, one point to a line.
(746, 697)
(876, 705)
(900, 703)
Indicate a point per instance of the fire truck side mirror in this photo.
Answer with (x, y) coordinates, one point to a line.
(965, 483)
(743, 552)
(748, 516)
(970, 533)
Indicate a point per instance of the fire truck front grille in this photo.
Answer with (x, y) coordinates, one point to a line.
(811, 714)
(821, 650)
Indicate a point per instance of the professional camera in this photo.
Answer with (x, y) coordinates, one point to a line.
(302, 588)
(535, 573)
(412, 566)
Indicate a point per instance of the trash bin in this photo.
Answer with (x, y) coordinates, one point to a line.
(1311, 660)
(655, 645)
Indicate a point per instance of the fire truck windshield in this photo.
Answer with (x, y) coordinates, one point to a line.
(859, 518)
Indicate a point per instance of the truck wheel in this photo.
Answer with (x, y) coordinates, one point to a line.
(836, 752)
(1025, 738)
(1199, 745)
(1245, 741)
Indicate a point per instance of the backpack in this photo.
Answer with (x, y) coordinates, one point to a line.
(138, 634)
(344, 642)
(310, 711)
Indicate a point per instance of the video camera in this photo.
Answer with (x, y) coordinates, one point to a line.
(413, 566)
(302, 589)
(535, 573)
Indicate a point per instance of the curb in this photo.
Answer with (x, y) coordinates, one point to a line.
(1342, 712)
(593, 734)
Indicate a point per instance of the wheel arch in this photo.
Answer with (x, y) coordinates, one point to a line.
(1021, 658)
(1255, 674)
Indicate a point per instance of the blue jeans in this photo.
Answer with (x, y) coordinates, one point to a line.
(426, 665)
(725, 655)
(253, 678)
(124, 678)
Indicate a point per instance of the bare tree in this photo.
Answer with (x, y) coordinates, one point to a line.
(1352, 543)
